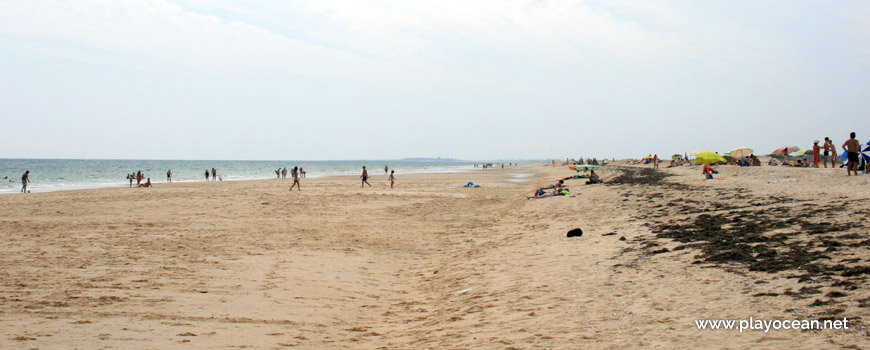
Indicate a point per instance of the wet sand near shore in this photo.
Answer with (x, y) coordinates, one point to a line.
(430, 264)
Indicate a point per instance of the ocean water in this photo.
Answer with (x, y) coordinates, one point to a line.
(66, 174)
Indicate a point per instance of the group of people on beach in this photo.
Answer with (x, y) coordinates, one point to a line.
(282, 173)
(214, 175)
(821, 154)
(365, 177)
(138, 176)
(490, 165)
(827, 151)
(561, 189)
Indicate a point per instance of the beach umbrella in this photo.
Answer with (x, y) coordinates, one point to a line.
(741, 152)
(695, 153)
(786, 150)
(866, 153)
(709, 158)
(585, 167)
(676, 156)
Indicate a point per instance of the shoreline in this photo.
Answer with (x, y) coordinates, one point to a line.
(456, 169)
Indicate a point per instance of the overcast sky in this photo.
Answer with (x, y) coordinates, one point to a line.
(329, 79)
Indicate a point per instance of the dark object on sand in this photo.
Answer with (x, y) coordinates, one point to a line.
(575, 233)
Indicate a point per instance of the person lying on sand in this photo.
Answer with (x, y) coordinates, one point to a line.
(563, 192)
(558, 187)
(146, 184)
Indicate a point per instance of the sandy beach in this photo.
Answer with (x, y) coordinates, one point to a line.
(432, 265)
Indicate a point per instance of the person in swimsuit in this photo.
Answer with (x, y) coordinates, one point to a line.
(206, 174)
(656, 161)
(25, 179)
(827, 149)
(130, 177)
(169, 175)
(816, 150)
(365, 178)
(386, 169)
(295, 174)
(146, 184)
(392, 178)
(213, 174)
(852, 147)
(302, 172)
(138, 178)
(833, 154)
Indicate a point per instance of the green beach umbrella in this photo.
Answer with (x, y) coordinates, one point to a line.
(676, 156)
(707, 157)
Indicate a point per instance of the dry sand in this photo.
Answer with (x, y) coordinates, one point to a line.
(250, 265)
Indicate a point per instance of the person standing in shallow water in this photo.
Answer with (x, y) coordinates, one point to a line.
(386, 169)
(206, 174)
(365, 178)
(169, 175)
(25, 179)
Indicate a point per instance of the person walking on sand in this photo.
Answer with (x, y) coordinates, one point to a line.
(295, 174)
(206, 174)
(852, 147)
(169, 175)
(25, 179)
(392, 178)
(656, 161)
(365, 178)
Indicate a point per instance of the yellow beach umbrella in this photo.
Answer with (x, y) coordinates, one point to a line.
(707, 157)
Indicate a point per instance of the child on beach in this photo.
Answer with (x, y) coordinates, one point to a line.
(392, 178)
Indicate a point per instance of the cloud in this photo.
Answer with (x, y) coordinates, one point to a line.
(167, 34)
